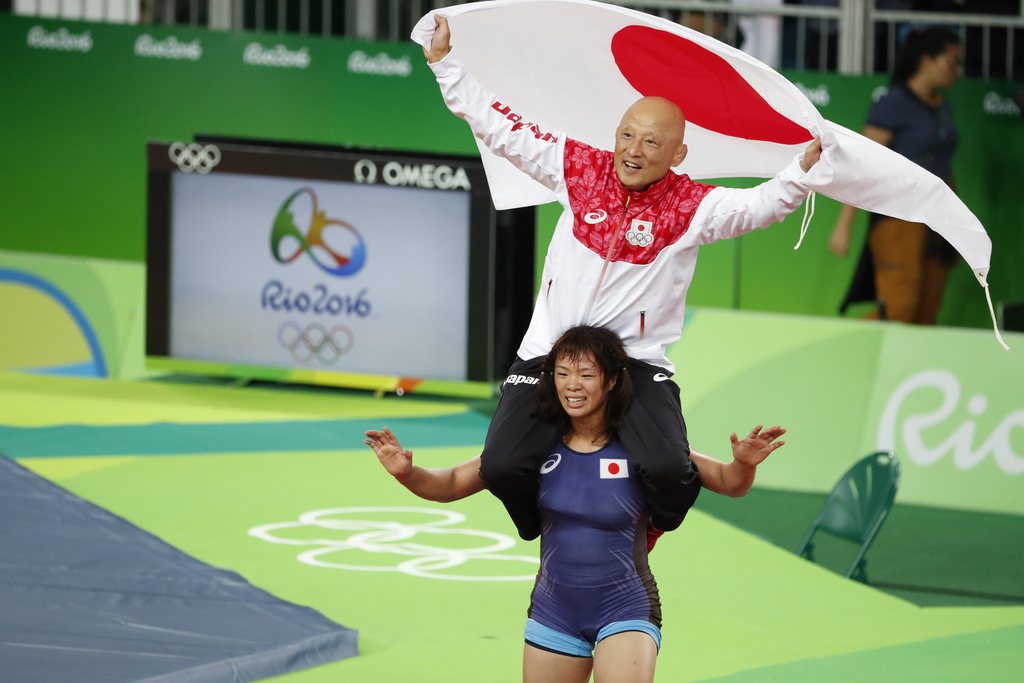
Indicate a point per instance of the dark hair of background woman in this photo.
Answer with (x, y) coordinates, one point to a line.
(609, 354)
(931, 41)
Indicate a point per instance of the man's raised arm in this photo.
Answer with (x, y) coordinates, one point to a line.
(729, 212)
(441, 43)
(533, 150)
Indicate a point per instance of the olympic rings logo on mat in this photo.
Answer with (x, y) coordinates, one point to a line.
(315, 341)
(194, 157)
(424, 544)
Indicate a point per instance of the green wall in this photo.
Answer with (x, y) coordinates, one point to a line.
(947, 401)
(75, 123)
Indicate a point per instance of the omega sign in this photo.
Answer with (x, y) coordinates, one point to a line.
(428, 176)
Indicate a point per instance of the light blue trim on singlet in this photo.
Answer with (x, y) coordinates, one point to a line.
(631, 625)
(556, 641)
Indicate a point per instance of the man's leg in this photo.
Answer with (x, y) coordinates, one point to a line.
(654, 435)
(516, 444)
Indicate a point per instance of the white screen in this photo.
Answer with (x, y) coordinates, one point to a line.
(403, 312)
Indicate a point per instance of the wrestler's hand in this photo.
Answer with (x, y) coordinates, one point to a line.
(757, 446)
(811, 155)
(395, 459)
(441, 43)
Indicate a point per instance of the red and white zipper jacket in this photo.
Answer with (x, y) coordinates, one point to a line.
(618, 259)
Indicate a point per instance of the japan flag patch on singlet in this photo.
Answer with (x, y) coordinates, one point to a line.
(613, 468)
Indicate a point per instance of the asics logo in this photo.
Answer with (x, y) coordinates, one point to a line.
(551, 463)
(595, 217)
(660, 377)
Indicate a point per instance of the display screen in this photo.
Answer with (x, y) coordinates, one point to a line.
(332, 261)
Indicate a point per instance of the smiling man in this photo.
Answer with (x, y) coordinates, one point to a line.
(649, 141)
(622, 257)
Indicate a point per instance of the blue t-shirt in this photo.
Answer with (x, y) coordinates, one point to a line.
(926, 135)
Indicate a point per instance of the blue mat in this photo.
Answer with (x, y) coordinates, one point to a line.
(86, 596)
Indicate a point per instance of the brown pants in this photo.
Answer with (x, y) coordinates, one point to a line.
(909, 278)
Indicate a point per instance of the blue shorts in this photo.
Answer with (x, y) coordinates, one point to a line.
(547, 638)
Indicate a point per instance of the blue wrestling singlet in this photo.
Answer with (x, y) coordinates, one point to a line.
(594, 579)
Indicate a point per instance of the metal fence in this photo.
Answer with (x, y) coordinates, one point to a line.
(992, 45)
(848, 36)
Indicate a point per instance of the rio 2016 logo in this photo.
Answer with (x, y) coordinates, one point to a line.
(312, 242)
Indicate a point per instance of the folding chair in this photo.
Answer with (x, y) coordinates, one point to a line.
(855, 509)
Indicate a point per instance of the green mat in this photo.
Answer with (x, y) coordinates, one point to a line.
(423, 597)
(973, 657)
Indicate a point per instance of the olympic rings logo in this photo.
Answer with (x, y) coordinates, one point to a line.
(313, 241)
(315, 341)
(369, 539)
(194, 157)
(638, 239)
(639, 233)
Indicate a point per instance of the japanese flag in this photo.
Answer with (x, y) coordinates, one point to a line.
(575, 66)
(614, 468)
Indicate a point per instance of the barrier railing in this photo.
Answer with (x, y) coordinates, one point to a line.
(846, 36)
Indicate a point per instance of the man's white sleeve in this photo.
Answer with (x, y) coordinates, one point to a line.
(728, 212)
(532, 150)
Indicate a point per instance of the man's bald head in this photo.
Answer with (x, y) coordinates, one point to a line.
(648, 142)
(658, 111)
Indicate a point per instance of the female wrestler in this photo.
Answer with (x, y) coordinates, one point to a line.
(595, 605)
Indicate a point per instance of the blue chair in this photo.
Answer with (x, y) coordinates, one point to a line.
(855, 509)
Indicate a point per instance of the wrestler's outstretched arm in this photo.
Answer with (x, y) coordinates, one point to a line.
(735, 478)
(439, 485)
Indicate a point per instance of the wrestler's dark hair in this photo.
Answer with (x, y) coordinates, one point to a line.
(921, 42)
(610, 356)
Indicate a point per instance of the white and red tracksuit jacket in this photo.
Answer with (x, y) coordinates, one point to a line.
(617, 259)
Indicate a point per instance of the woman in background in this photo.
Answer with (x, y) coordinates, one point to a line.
(904, 265)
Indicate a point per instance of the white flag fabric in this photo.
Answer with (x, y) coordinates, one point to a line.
(574, 66)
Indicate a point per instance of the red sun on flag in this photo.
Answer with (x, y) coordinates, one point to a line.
(704, 85)
(614, 468)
